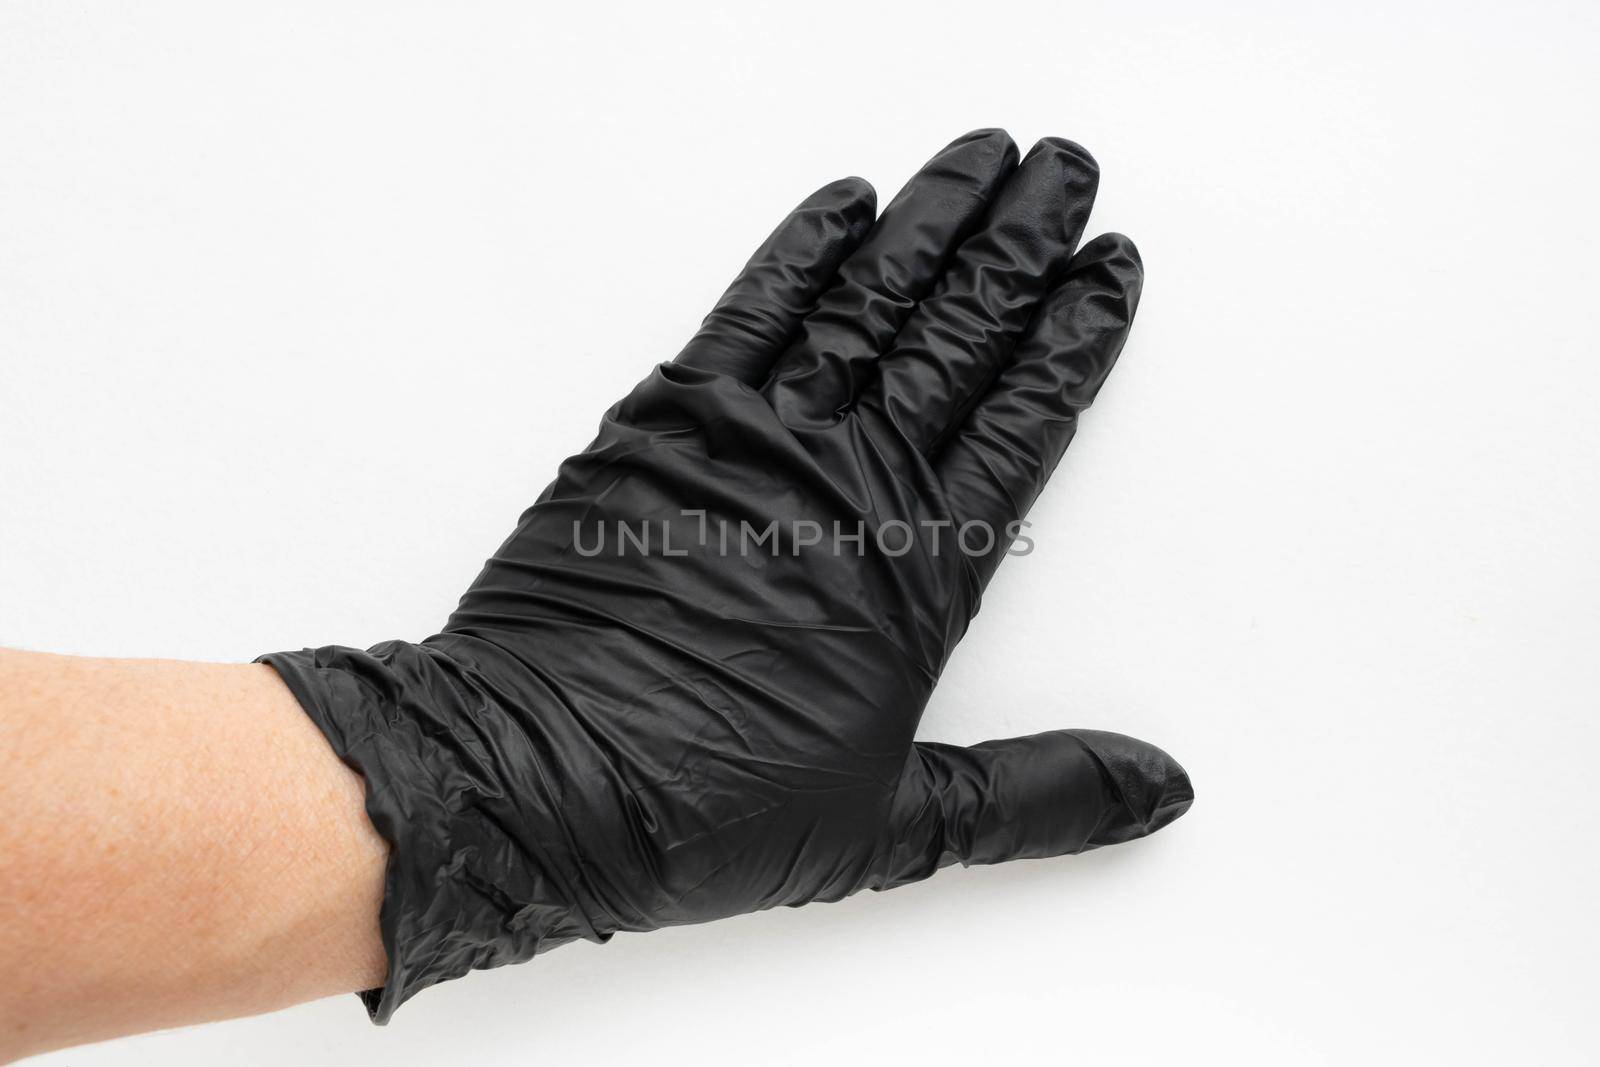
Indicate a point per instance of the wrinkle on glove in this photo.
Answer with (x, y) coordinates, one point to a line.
(678, 728)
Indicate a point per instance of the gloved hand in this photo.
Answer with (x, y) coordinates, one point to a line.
(688, 685)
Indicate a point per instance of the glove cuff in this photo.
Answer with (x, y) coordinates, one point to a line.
(471, 879)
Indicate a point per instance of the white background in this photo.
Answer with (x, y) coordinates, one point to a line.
(300, 304)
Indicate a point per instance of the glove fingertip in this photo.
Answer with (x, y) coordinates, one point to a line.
(1152, 787)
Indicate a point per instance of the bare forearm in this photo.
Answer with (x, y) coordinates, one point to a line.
(178, 843)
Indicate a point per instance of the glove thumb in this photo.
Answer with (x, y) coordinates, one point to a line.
(1049, 794)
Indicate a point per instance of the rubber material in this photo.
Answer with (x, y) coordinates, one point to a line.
(674, 727)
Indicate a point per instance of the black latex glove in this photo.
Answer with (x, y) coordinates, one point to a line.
(634, 737)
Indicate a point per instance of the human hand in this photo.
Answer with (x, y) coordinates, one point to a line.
(688, 685)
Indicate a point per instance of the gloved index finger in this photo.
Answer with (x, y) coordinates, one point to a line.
(997, 463)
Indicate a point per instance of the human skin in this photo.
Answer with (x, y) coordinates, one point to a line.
(590, 749)
(178, 844)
